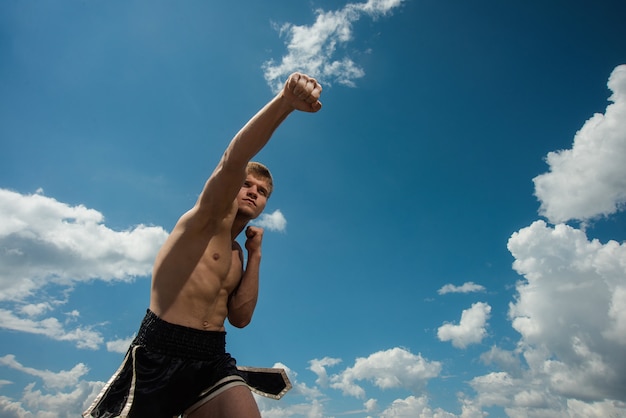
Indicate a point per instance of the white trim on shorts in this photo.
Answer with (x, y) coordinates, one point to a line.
(105, 389)
(219, 387)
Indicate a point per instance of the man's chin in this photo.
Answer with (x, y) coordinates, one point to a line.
(247, 213)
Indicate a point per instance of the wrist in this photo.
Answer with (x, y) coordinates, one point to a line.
(284, 104)
(254, 255)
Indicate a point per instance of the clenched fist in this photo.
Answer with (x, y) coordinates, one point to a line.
(254, 236)
(303, 92)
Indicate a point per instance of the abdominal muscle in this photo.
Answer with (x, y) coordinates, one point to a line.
(193, 276)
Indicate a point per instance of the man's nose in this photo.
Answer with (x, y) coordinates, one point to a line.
(252, 192)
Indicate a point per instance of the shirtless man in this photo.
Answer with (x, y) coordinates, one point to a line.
(177, 364)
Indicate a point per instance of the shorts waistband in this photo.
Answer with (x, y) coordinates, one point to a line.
(178, 341)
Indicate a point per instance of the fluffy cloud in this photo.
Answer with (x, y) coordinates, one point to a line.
(50, 379)
(46, 241)
(60, 404)
(51, 327)
(43, 242)
(51, 401)
(120, 346)
(506, 360)
(589, 180)
(570, 307)
(274, 221)
(35, 309)
(529, 397)
(571, 310)
(319, 368)
(471, 329)
(312, 48)
(414, 407)
(467, 287)
(393, 368)
(11, 409)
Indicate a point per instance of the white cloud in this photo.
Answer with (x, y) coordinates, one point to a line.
(409, 407)
(72, 316)
(530, 397)
(467, 287)
(603, 409)
(414, 406)
(120, 345)
(507, 361)
(60, 404)
(470, 330)
(370, 405)
(52, 328)
(46, 241)
(35, 309)
(274, 221)
(312, 49)
(589, 180)
(43, 242)
(12, 409)
(617, 313)
(58, 380)
(53, 404)
(318, 367)
(571, 310)
(313, 409)
(51, 401)
(499, 388)
(393, 368)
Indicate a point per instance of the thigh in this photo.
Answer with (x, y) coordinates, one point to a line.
(236, 402)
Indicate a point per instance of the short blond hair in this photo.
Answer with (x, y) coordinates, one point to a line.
(262, 172)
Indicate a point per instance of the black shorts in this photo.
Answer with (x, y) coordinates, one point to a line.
(168, 370)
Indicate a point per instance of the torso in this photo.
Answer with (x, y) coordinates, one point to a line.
(195, 272)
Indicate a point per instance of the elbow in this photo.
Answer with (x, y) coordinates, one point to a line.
(239, 322)
(240, 315)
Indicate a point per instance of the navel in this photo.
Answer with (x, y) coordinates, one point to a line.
(205, 324)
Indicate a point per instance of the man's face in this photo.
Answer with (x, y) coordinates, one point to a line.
(252, 196)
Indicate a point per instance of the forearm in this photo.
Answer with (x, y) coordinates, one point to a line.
(256, 133)
(243, 301)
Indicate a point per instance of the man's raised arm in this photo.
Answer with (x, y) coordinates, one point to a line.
(300, 92)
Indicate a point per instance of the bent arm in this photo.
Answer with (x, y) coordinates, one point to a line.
(242, 301)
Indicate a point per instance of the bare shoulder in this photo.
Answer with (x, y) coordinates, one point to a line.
(205, 219)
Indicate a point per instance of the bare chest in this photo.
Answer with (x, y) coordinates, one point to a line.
(222, 265)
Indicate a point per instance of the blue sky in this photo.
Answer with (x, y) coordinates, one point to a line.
(446, 237)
